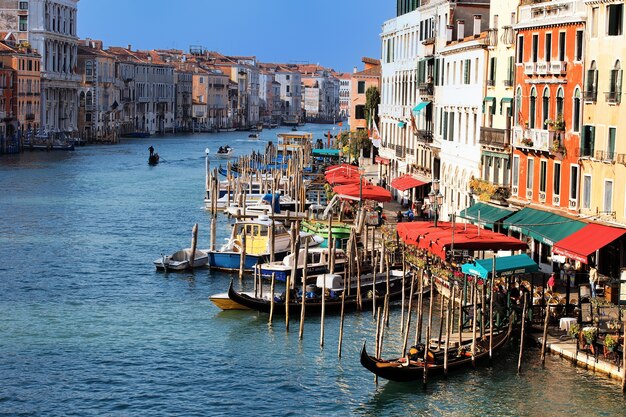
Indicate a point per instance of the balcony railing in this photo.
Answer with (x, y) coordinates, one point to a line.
(558, 67)
(491, 83)
(507, 35)
(621, 158)
(613, 97)
(498, 138)
(30, 116)
(508, 83)
(542, 68)
(537, 139)
(425, 136)
(606, 155)
(529, 68)
(426, 89)
(591, 95)
(492, 37)
(585, 152)
(400, 151)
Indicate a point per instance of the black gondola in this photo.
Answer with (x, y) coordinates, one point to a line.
(153, 159)
(332, 303)
(405, 369)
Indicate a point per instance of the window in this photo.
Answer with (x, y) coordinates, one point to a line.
(573, 189)
(576, 111)
(518, 105)
(591, 84)
(561, 46)
(610, 148)
(520, 49)
(451, 137)
(515, 171)
(608, 196)
(545, 107)
(359, 112)
(23, 24)
(201, 80)
(467, 69)
(23, 5)
(594, 22)
(548, 47)
(361, 87)
(535, 51)
(445, 125)
(492, 71)
(579, 46)
(588, 140)
(530, 173)
(543, 174)
(615, 19)
(615, 93)
(586, 203)
(88, 68)
(509, 81)
(532, 115)
(556, 185)
(559, 103)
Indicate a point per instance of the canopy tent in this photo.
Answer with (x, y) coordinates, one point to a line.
(420, 106)
(365, 192)
(546, 227)
(339, 178)
(341, 167)
(326, 152)
(438, 240)
(406, 182)
(383, 161)
(506, 265)
(581, 244)
(485, 214)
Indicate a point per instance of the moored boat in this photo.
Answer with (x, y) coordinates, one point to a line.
(317, 262)
(181, 260)
(411, 367)
(340, 231)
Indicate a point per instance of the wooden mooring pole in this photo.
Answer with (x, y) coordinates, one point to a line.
(544, 339)
(522, 335)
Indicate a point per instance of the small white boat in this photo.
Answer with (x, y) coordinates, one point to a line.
(179, 261)
(225, 152)
(318, 262)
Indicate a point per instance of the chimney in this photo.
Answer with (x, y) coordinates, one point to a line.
(460, 30)
(354, 70)
(449, 33)
(477, 24)
(130, 47)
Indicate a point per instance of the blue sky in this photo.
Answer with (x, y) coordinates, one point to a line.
(333, 33)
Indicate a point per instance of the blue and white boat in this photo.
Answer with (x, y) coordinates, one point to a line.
(317, 262)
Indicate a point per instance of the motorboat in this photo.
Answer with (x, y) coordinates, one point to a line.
(225, 152)
(182, 260)
(317, 262)
(253, 136)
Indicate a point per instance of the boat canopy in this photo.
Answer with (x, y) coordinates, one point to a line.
(276, 197)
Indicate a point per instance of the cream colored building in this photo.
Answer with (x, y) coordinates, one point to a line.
(603, 171)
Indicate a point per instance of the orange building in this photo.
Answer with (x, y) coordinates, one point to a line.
(361, 81)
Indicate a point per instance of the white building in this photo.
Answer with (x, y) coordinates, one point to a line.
(459, 106)
(50, 28)
(290, 92)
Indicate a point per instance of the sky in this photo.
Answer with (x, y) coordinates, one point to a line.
(332, 33)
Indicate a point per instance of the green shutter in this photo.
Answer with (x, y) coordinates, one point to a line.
(611, 147)
(436, 72)
(451, 126)
(618, 86)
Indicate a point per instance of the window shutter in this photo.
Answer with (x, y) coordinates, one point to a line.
(451, 138)
(511, 66)
(466, 72)
(618, 86)
(436, 72)
(592, 139)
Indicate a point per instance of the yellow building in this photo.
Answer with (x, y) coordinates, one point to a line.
(602, 149)
(361, 81)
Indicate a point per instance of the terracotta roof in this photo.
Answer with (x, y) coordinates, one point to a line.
(482, 35)
(370, 72)
(371, 61)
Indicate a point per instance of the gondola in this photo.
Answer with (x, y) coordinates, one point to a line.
(333, 300)
(404, 369)
(153, 159)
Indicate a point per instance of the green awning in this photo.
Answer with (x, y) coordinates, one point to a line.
(504, 101)
(503, 154)
(325, 152)
(488, 214)
(401, 124)
(547, 228)
(420, 106)
(493, 104)
(506, 265)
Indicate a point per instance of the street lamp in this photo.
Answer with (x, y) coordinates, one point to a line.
(435, 198)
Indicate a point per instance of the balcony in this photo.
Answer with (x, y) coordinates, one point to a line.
(507, 35)
(426, 89)
(529, 68)
(492, 37)
(558, 67)
(30, 116)
(425, 136)
(605, 156)
(497, 138)
(613, 97)
(542, 68)
(590, 96)
(491, 83)
(400, 151)
(537, 140)
(621, 158)
(508, 83)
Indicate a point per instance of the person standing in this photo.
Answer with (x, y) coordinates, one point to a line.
(593, 280)
(551, 282)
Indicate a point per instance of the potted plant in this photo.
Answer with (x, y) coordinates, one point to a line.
(610, 342)
(590, 333)
(574, 330)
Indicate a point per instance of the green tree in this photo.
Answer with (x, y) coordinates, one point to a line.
(372, 100)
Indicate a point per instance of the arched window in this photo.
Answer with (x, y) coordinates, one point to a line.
(89, 68)
(591, 85)
(89, 99)
(615, 92)
(559, 104)
(576, 111)
(81, 99)
(545, 107)
(532, 112)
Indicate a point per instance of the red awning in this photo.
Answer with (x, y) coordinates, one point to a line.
(341, 168)
(340, 178)
(406, 182)
(367, 192)
(438, 240)
(581, 244)
(381, 160)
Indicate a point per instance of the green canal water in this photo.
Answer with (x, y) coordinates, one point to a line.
(89, 328)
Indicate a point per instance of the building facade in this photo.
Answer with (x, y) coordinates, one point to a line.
(360, 82)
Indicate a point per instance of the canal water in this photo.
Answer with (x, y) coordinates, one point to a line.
(88, 327)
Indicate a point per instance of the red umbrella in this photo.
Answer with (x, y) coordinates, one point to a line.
(366, 192)
(342, 177)
(342, 168)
